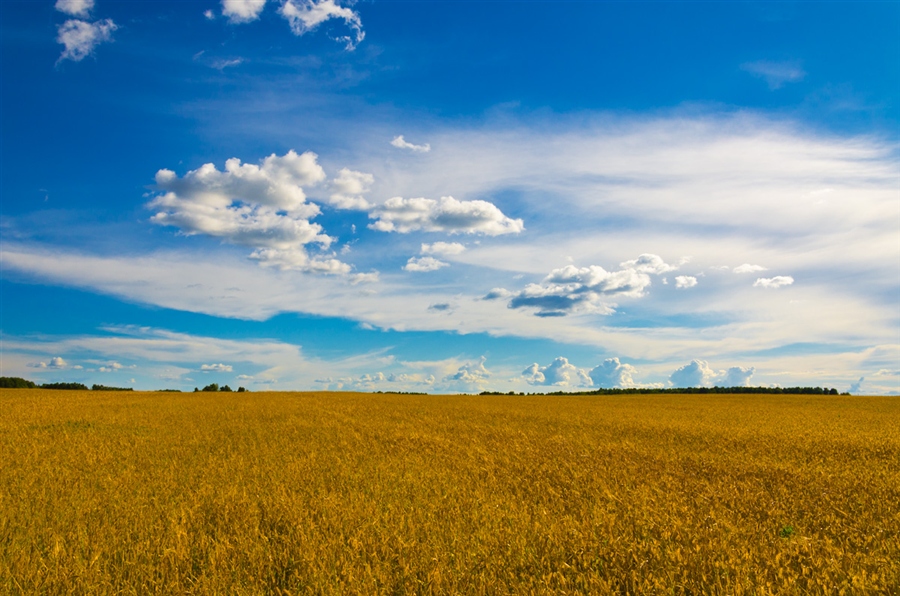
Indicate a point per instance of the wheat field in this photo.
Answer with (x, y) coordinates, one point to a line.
(342, 493)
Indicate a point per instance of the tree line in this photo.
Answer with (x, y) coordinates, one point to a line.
(20, 383)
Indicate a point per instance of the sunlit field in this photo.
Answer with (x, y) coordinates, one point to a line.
(340, 493)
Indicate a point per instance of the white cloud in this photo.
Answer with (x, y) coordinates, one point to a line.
(737, 376)
(76, 8)
(423, 264)
(612, 373)
(263, 207)
(558, 373)
(221, 368)
(696, 374)
(349, 187)
(55, 362)
(776, 74)
(296, 259)
(80, 37)
(773, 282)
(443, 248)
(363, 278)
(497, 293)
(209, 15)
(113, 366)
(685, 281)
(305, 15)
(699, 374)
(648, 263)
(748, 268)
(401, 143)
(242, 11)
(857, 386)
(471, 373)
(447, 215)
(244, 377)
(226, 63)
(587, 289)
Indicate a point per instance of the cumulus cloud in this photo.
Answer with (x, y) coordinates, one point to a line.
(76, 8)
(260, 206)
(297, 259)
(55, 362)
(696, 374)
(443, 248)
(242, 11)
(559, 372)
(305, 15)
(112, 366)
(685, 281)
(473, 373)
(446, 215)
(737, 376)
(773, 282)
(401, 143)
(497, 293)
(80, 37)
(216, 367)
(699, 374)
(776, 74)
(349, 186)
(587, 289)
(612, 373)
(748, 268)
(422, 264)
(648, 263)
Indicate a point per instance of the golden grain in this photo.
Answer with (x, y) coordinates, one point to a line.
(340, 493)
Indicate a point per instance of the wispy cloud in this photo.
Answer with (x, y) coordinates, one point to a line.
(402, 143)
(776, 74)
(80, 37)
(774, 282)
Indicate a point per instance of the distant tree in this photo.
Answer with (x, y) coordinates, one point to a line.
(70, 386)
(211, 387)
(96, 387)
(16, 383)
(196, 390)
(241, 390)
(225, 388)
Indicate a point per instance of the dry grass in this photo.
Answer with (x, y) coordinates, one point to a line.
(338, 493)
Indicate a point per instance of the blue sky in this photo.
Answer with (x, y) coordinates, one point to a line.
(451, 196)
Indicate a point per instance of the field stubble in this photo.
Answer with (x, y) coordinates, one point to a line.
(341, 493)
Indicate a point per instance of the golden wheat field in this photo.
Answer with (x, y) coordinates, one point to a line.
(342, 493)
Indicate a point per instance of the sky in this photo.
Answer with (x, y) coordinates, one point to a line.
(450, 196)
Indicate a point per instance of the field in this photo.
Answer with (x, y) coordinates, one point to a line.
(341, 493)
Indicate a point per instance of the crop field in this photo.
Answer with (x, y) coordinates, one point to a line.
(343, 493)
